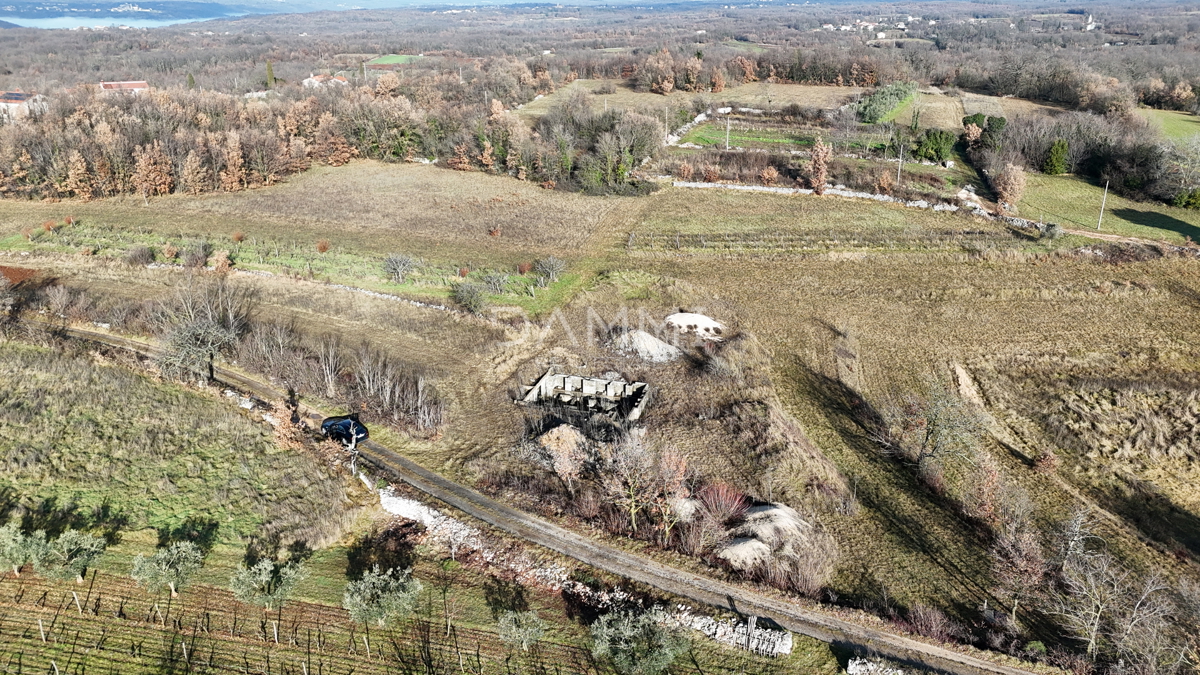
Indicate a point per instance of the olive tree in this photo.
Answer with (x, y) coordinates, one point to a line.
(549, 268)
(397, 266)
(69, 555)
(382, 597)
(169, 568)
(18, 548)
(521, 630)
(637, 644)
(267, 584)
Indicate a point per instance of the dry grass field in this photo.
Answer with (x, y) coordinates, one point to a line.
(364, 206)
(937, 111)
(753, 95)
(1004, 106)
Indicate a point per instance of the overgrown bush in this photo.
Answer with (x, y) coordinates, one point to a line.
(196, 254)
(139, 256)
(936, 145)
(470, 296)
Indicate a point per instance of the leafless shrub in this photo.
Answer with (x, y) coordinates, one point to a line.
(397, 266)
(550, 268)
(1009, 185)
(722, 503)
(587, 504)
(395, 392)
(139, 256)
(684, 171)
(495, 282)
(932, 623)
(196, 254)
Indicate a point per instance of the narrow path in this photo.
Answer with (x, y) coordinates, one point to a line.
(799, 619)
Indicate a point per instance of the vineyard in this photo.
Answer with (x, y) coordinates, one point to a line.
(108, 625)
(774, 241)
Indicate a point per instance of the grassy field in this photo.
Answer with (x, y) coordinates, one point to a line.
(746, 134)
(937, 111)
(442, 217)
(755, 95)
(394, 59)
(1075, 203)
(914, 291)
(1175, 124)
(97, 445)
(1004, 106)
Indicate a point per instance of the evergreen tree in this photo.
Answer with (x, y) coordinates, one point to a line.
(191, 82)
(1056, 162)
(270, 76)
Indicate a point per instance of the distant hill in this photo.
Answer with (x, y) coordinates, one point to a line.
(5, 24)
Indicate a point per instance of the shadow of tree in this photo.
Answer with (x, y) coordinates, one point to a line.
(54, 519)
(387, 549)
(1160, 221)
(504, 595)
(200, 531)
(909, 524)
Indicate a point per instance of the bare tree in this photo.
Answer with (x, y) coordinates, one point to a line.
(1094, 586)
(329, 355)
(632, 478)
(1019, 566)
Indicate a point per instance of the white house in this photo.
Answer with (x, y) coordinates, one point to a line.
(318, 81)
(17, 104)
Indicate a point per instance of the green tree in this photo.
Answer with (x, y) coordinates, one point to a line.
(169, 568)
(936, 145)
(270, 76)
(521, 630)
(267, 584)
(191, 81)
(978, 119)
(382, 597)
(637, 644)
(17, 548)
(69, 555)
(1056, 162)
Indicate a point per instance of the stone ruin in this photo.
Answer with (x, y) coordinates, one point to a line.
(619, 398)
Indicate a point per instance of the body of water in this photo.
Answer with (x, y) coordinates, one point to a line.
(107, 22)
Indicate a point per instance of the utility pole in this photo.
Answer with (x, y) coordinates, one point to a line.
(1102, 203)
(900, 163)
(727, 132)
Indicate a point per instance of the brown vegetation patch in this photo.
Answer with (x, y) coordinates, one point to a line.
(16, 275)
